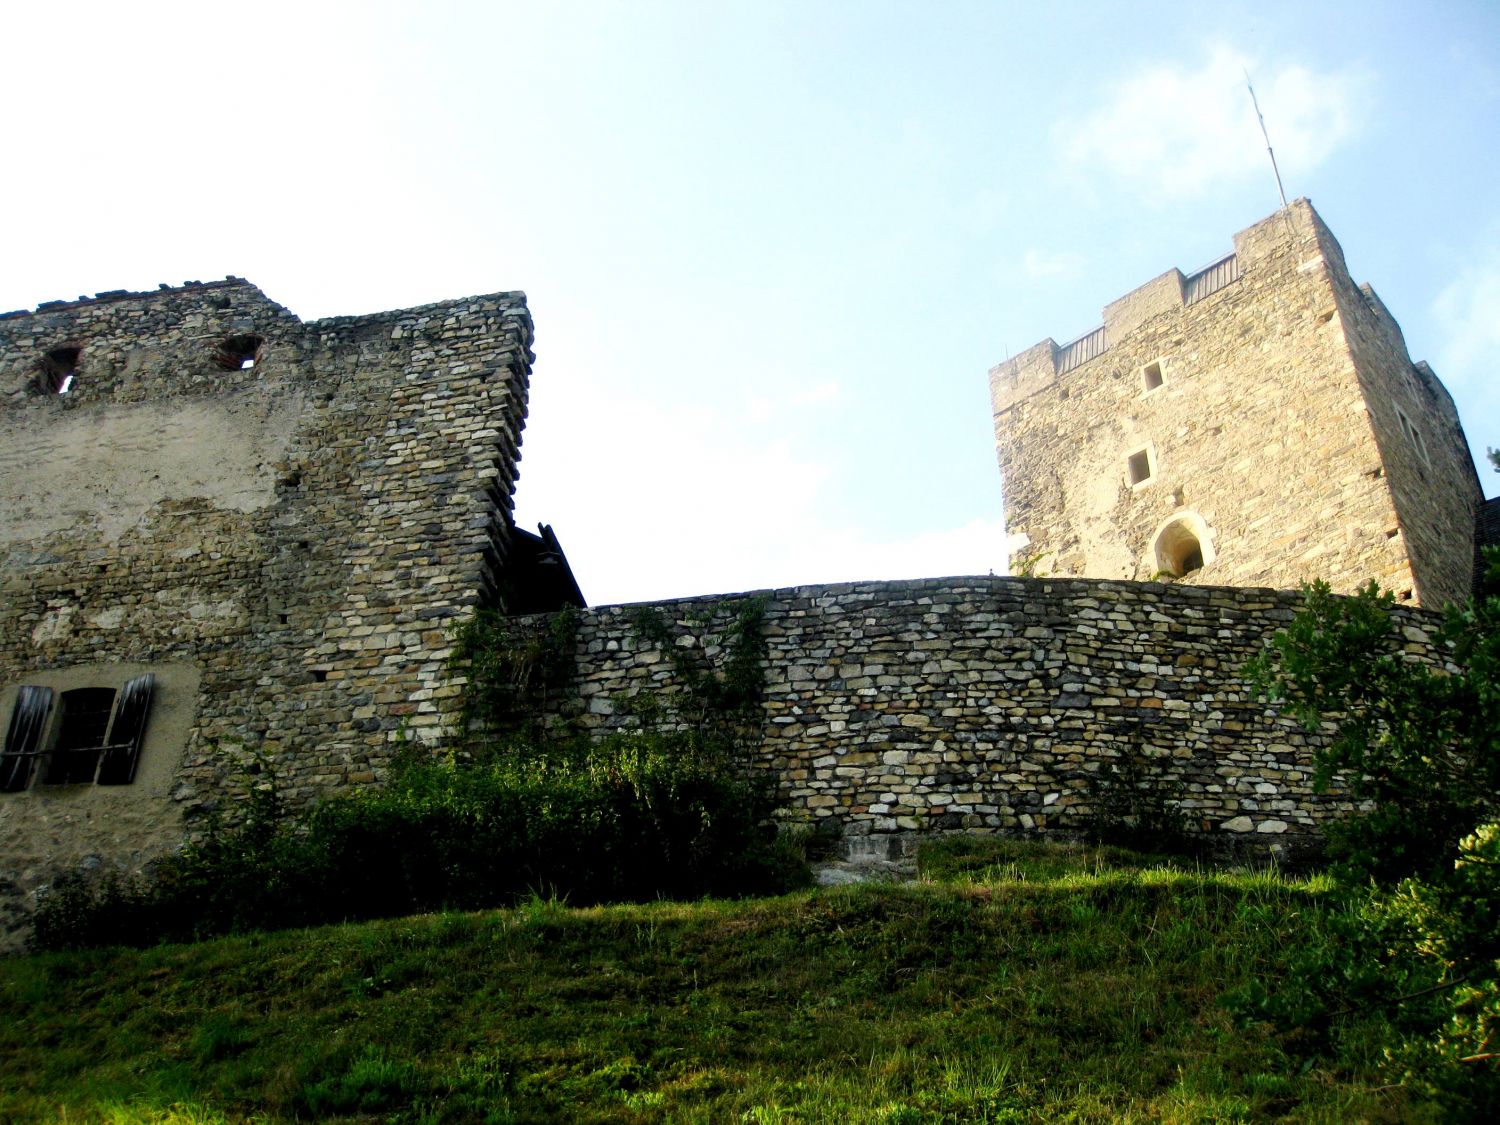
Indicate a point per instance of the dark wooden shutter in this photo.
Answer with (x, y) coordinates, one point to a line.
(24, 738)
(126, 731)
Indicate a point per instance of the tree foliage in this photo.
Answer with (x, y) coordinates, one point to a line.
(1416, 939)
(1416, 744)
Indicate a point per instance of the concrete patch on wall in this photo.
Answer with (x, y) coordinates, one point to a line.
(102, 469)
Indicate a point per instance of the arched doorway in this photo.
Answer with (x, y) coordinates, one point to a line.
(1182, 545)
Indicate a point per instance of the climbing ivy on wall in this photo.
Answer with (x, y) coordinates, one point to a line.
(515, 674)
(720, 706)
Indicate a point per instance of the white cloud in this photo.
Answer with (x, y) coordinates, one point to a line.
(1171, 131)
(1042, 263)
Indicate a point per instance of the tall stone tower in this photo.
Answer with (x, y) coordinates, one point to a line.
(1258, 423)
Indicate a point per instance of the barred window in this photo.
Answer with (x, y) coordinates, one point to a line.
(92, 737)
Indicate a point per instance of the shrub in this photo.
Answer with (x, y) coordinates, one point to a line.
(639, 817)
(1134, 806)
(1416, 945)
(519, 811)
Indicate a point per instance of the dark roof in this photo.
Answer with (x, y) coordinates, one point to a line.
(539, 578)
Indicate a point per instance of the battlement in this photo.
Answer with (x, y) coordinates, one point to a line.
(1028, 372)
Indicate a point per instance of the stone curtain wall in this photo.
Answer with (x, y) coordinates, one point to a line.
(988, 703)
(1272, 423)
(286, 545)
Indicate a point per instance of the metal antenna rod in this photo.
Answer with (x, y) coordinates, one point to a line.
(1261, 118)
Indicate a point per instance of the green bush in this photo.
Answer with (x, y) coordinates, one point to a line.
(1134, 805)
(1416, 945)
(520, 810)
(639, 817)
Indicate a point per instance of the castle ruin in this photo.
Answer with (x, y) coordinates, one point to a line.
(230, 537)
(227, 534)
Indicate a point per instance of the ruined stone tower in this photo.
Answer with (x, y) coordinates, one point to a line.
(227, 533)
(1257, 423)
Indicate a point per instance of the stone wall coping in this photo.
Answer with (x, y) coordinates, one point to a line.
(110, 296)
(1110, 588)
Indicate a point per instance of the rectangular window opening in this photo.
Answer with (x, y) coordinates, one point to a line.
(1139, 464)
(1151, 375)
(82, 727)
(96, 740)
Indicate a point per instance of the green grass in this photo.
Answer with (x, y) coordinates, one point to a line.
(1014, 984)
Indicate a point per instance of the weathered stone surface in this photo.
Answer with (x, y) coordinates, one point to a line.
(1283, 425)
(988, 729)
(276, 542)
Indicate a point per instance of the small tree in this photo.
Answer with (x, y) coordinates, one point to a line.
(1419, 746)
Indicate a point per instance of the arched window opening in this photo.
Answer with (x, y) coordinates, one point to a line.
(1180, 548)
(58, 370)
(238, 353)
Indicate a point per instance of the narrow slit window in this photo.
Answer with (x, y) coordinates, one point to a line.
(1139, 466)
(1413, 435)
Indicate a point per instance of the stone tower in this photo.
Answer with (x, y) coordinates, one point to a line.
(228, 534)
(1258, 423)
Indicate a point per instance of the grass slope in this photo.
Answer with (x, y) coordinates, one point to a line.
(1013, 985)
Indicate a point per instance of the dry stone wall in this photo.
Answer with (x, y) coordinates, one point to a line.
(989, 704)
(285, 544)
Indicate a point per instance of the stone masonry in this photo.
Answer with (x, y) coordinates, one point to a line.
(988, 704)
(1256, 423)
(278, 520)
(276, 525)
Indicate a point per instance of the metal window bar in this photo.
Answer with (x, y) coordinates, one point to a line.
(1211, 278)
(1081, 350)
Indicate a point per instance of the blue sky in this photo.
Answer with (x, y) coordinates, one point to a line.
(772, 249)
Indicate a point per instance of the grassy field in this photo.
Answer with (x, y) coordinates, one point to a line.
(1011, 984)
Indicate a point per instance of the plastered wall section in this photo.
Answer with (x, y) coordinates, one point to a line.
(989, 704)
(301, 534)
(1259, 428)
